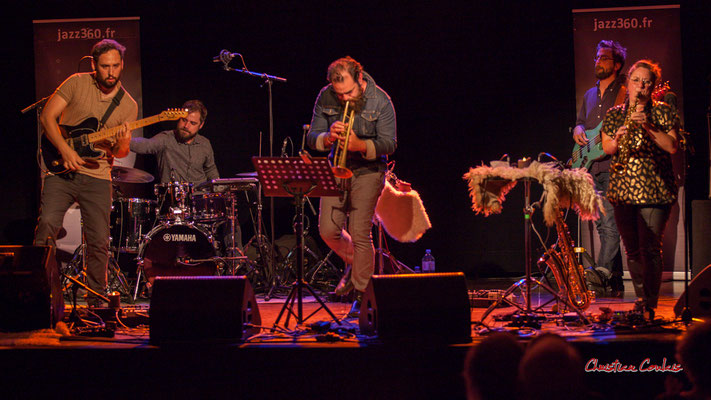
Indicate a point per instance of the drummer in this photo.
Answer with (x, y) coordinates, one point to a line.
(183, 154)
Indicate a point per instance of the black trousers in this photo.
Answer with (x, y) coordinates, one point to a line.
(642, 230)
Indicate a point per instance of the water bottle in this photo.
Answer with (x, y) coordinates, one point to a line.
(428, 262)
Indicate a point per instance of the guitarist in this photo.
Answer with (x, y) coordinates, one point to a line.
(98, 95)
(609, 91)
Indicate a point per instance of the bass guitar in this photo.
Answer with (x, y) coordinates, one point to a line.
(584, 156)
(85, 139)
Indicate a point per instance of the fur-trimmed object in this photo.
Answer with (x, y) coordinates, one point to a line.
(402, 214)
(574, 188)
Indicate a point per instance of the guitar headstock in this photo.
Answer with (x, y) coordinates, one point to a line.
(172, 114)
(660, 91)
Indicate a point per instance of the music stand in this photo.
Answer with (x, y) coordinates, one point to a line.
(297, 177)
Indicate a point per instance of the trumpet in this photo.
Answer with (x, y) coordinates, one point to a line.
(339, 156)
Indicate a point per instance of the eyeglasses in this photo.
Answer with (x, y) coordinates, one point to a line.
(603, 58)
(641, 82)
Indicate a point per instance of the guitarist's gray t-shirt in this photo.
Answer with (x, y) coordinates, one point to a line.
(85, 100)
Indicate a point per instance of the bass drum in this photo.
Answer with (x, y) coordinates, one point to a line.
(177, 249)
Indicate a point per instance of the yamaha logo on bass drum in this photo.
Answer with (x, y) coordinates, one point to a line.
(179, 237)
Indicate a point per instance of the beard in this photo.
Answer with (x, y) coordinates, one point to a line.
(602, 73)
(184, 135)
(109, 85)
(357, 103)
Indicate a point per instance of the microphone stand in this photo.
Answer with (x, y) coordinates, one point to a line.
(687, 151)
(268, 80)
(38, 105)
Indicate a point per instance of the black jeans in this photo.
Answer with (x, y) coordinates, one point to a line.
(642, 230)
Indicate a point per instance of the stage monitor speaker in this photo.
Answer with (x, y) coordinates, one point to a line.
(202, 308)
(428, 307)
(30, 293)
(699, 295)
(700, 233)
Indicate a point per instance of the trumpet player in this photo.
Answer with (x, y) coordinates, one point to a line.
(372, 138)
(641, 135)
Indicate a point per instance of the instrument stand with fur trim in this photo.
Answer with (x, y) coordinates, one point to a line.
(401, 213)
(526, 283)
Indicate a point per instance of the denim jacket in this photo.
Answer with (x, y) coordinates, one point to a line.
(375, 123)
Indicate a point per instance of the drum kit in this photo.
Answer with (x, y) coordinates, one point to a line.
(187, 230)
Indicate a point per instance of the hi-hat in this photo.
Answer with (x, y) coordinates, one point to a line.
(130, 175)
(247, 174)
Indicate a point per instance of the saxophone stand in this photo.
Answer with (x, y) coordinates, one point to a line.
(297, 177)
(529, 318)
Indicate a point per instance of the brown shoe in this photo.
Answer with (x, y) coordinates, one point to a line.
(345, 285)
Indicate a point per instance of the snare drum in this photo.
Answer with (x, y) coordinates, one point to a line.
(174, 200)
(130, 220)
(177, 249)
(209, 207)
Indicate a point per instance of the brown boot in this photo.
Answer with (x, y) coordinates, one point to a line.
(345, 285)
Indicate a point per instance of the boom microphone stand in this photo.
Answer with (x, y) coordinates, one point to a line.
(225, 57)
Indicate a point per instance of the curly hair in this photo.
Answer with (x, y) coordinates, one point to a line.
(347, 64)
(619, 53)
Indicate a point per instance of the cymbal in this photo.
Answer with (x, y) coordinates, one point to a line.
(247, 175)
(130, 175)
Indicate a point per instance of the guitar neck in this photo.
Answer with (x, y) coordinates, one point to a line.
(112, 132)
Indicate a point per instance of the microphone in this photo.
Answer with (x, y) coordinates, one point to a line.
(283, 147)
(225, 56)
(306, 128)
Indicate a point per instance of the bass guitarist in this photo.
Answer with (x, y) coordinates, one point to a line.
(609, 91)
(83, 96)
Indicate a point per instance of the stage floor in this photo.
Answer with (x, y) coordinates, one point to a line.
(299, 363)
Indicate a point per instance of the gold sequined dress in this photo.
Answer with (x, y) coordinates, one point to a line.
(648, 176)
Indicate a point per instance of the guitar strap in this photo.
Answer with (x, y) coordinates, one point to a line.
(621, 94)
(114, 103)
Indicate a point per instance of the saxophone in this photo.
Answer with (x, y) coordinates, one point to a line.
(568, 273)
(625, 145)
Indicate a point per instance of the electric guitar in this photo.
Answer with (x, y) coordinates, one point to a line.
(84, 138)
(584, 156)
